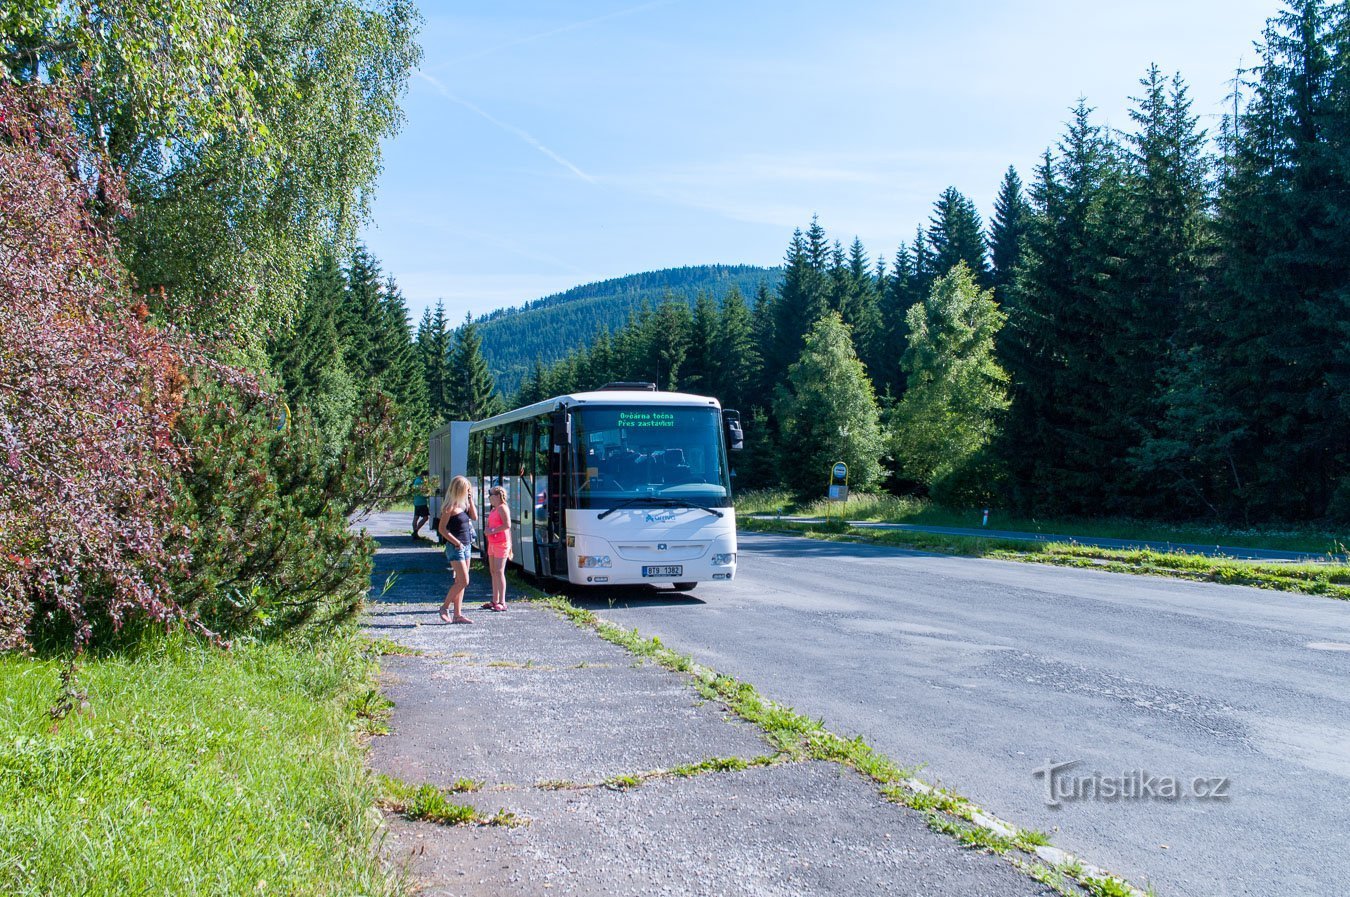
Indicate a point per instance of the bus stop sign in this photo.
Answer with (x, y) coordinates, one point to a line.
(839, 482)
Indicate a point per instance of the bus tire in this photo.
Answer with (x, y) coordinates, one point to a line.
(685, 586)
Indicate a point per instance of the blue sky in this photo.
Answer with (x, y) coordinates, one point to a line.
(553, 144)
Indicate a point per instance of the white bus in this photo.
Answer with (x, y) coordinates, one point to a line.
(621, 485)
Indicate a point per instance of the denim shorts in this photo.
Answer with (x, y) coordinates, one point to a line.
(462, 553)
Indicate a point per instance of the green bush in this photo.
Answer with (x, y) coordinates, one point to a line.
(264, 516)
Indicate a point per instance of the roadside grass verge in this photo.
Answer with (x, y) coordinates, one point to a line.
(1330, 580)
(193, 770)
(796, 737)
(885, 508)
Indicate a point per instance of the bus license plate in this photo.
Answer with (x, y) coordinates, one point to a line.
(669, 570)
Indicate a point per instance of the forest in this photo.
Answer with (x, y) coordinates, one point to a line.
(1155, 324)
(547, 329)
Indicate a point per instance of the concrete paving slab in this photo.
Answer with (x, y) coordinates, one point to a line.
(555, 720)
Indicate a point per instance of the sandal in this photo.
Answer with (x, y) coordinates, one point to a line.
(461, 619)
(488, 606)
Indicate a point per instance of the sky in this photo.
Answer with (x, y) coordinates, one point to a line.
(553, 144)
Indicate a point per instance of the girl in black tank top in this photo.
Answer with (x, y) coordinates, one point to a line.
(456, 525)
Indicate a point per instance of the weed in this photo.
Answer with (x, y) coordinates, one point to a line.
(1028, 839)
(371, 710)
(556, 785)
(382, 647)
(464, 786)
(974, 837)
(428, 803)
(1107, 887)
(713, 764)
(623, 782)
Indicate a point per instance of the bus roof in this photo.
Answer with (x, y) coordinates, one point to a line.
(598, 397)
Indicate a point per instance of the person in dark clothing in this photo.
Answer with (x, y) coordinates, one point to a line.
(421, 505)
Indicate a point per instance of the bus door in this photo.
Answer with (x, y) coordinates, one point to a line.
(550, 524)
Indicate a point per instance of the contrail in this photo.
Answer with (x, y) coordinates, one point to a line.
(559, 30)
(512, 129)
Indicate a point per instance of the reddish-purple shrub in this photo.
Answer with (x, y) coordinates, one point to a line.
(89, 391)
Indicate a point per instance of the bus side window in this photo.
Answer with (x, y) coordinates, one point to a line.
(474, 468)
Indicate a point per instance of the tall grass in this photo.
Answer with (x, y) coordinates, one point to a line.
(194, 771)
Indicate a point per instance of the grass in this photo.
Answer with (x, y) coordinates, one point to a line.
(1331, 580)
(883, 508)
(194, 770)
(425, 802)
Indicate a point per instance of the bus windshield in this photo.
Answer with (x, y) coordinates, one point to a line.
(656, 451)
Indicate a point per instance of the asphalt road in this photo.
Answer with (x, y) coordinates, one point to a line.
(987, 670)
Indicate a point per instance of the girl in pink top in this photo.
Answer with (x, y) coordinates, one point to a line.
(498, 545)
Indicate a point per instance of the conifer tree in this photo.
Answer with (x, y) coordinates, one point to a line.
(1166, 246)
(1058, 443)
(532, 387)
(596, 364)
(403, 379)
(902, 291)
(359, 322)
(309, 360)
(701, 371)
(828, 412)
(861, 309)
(433, 349)
(472, 393)
(956, 235)
(802, 298)
(1006, 233)
(738, 359)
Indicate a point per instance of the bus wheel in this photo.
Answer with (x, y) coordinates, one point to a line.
(685, 586)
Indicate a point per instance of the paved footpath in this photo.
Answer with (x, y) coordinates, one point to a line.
(524, 698)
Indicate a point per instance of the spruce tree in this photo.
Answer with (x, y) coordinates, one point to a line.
(701, 371)
(309, 359)
(1166, 246)
(861, 308)
(827, 412)
(956, 235)
(433, 349)
(902, 291)
(1058, 443)
(402, 379)
(472, 393)
(803, 297)
(360, 319)
(1006, 233)
(738, 359)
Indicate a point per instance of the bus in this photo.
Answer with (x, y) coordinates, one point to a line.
(621, 485)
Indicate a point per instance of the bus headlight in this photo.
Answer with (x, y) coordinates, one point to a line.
(593, 560)
(724, 560)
